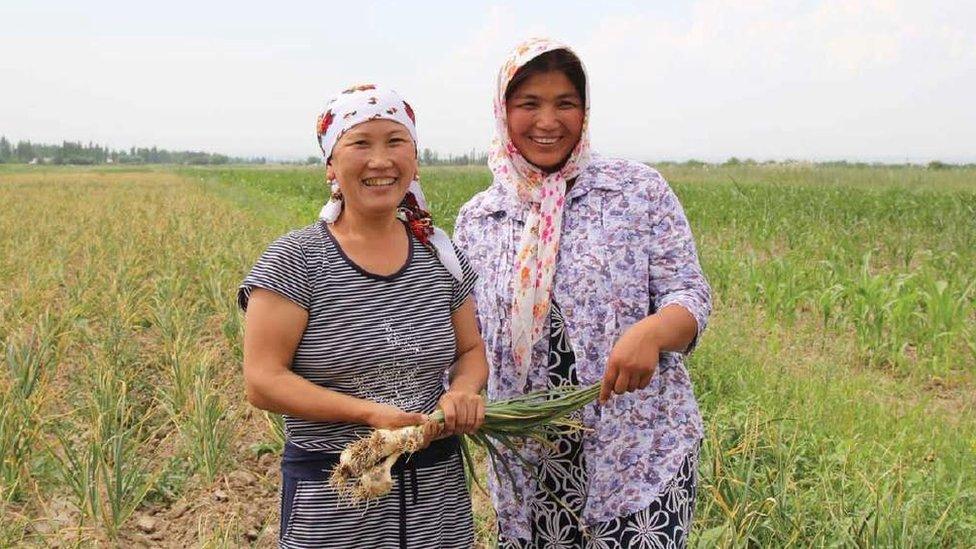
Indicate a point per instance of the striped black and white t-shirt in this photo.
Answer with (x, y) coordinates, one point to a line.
(388, 339)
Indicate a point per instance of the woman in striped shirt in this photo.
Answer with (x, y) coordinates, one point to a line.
(353, 323)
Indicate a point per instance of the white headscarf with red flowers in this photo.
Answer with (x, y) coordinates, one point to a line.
(371, 102)
(545, 194)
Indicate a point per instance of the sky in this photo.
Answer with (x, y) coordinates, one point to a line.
(869, 80)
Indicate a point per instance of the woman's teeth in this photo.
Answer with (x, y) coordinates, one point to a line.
(379, 181)
(544, 140)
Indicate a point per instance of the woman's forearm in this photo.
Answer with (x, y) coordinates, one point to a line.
(470, 372)
(672, 328)
(284, 392)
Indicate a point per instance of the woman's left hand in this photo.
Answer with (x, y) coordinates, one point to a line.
(632, 361)
(464, 411)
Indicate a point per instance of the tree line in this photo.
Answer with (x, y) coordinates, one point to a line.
(432, 158)
(75, 152)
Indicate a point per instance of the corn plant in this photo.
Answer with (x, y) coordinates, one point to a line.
(943, 313)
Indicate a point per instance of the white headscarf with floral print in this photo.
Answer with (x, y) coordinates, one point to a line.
(545, 193)
(371, 102)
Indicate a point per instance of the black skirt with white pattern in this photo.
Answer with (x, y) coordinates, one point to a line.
(663, 524)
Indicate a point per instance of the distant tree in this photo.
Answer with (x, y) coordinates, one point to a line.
(24, 151)
(77, 152)
(197, 159)
(938, 165)
(311, 160)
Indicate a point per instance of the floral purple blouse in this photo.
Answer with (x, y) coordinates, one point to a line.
(626, 251)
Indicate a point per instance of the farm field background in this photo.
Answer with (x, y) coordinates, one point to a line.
(837, 378)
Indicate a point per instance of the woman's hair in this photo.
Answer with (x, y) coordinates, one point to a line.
(560, 60)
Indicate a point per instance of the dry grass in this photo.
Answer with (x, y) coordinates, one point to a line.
(118, 288)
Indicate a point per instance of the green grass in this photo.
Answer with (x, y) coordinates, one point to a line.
(837, 378)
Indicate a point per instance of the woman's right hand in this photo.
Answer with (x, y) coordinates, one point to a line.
(384, 416)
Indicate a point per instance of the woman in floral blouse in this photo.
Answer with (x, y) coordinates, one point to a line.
(588, 274)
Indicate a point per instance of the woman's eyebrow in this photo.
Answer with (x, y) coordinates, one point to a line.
(359, 134)
(524, 96)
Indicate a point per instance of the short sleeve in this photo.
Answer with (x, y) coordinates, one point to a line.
(283, 269)
(462, 288)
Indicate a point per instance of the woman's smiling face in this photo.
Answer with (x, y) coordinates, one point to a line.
(374, 163)
(545, 119)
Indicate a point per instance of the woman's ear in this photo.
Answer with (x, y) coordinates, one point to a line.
(329, 171)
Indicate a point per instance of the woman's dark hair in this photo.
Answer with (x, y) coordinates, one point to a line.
(560, 60)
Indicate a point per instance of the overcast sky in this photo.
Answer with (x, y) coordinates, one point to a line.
(840, 79)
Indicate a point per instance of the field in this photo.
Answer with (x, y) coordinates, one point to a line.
(837, 378)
